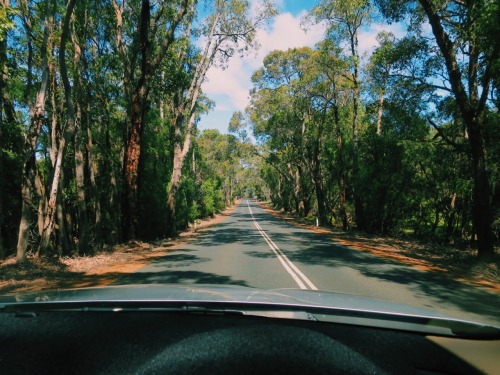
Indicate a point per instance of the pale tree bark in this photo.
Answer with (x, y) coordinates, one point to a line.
(295, 177)
(180, 151)
(318, 184)
(69, 131)
(37, 113)
(64, 245)
(185, 108)
(380, 112)
(83, 240)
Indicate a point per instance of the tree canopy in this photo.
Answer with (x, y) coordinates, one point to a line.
(101, 101)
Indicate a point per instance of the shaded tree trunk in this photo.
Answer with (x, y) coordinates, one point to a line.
(83, 227)
(471, 106)
(138, 98)
(64, 246)
(95, 190)
(83, 242)
(317, 178)
(69, 131)
(340, 166)
(37, 113)
(358, 204)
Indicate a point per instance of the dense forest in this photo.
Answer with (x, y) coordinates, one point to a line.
(100, 105)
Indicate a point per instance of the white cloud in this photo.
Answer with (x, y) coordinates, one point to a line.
(230, 87)
(367, 37)
(286, 32)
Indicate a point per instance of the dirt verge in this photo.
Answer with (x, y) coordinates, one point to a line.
(101, 269)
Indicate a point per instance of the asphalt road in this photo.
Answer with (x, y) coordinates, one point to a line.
(252, 248)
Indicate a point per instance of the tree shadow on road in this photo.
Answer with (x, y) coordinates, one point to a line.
(176, 260)
(178, 277)
(318, 249)
(225, 234)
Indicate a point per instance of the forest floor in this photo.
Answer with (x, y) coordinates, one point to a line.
(110, 264)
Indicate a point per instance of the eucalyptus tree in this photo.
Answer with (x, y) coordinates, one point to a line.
(379, 71)
(462, 33)
(280, 116)
(68, 134)
(42, 31)
(333, 67)
(344, 20)
(142, 54)
(228, 29)
(291, 108)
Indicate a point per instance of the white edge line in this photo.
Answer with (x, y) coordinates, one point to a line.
(296, 274)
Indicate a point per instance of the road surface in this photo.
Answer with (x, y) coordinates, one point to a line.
(252, 248)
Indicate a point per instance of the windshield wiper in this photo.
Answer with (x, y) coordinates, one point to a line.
(427, 325)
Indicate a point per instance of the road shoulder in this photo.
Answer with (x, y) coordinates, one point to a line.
(458, 264)
(101, 269)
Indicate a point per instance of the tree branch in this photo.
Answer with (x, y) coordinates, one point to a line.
(445, 138)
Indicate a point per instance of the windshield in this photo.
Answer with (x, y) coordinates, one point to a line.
(338, 146)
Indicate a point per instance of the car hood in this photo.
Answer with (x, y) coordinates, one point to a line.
(332, 307)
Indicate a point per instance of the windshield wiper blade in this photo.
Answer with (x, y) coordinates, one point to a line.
(427, 325)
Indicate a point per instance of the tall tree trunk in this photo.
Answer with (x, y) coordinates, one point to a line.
(64, 246)
(83, 241)
(185, 109)
(132, 162)
(138, 101)
(31, 138)
(320, 194)
(471, 106)
(380, 112)
(69, 131)
(358, 204)
(138, 108)
(83, 228)
(481, 209)
(340, 166)
(180, 151)
(317, 178)
(112, 205)
(95, 190)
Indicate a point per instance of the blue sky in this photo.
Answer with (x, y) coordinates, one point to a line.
(229, 88)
